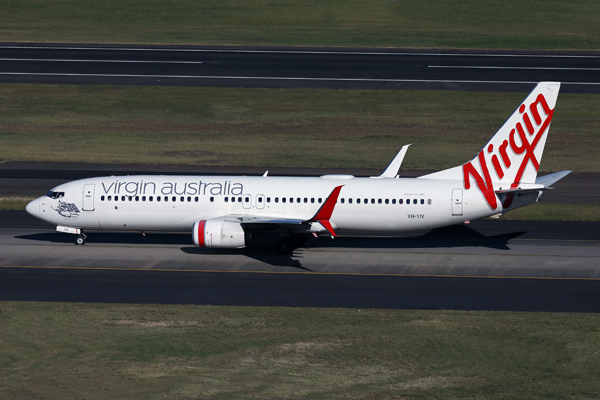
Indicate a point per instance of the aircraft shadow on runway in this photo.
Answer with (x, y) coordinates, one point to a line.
(264, 249)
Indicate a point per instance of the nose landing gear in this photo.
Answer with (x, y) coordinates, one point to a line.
(80, 241)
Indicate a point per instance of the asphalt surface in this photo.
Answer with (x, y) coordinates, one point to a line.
(489, 265)
(298, 290)
(298, 67)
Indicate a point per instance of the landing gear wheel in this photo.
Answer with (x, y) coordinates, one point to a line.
(80, 241)
(285, 246)
(299, 239)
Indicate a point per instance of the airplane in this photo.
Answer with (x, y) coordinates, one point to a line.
(226, 212)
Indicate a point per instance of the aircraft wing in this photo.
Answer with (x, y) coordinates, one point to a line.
(259, 219)
(322, 216)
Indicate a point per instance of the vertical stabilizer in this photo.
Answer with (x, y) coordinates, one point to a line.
(513, 154)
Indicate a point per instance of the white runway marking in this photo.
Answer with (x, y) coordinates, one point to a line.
(492, 67)
(264, 78)
(103, 61)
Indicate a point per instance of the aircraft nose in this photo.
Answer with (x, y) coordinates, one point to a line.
(33, 208)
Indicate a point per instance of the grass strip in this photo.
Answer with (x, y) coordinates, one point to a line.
(15, 202)
(510, 24)
(277, 127)
(99, 351)
(555, 212)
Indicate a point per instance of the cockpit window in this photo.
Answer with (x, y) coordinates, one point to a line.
(55, 195)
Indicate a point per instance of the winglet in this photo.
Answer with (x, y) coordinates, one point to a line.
(392, 170)
(324, 214)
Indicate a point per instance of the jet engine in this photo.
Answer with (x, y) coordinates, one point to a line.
(219, 233)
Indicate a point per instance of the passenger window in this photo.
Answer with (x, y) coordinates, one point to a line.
(174, 199)
(400, 201)
(387, 201)
(130, 198)
(276, 199)
(239, 199)
(350, 200)
(372, 201)
(116, 198)
(312, 200)
(151, 198)
(407, 201)
(260, 199)
(320, 200)
(415, 201)
(189, 199)
(342, 201)
(247, 199)
(357, 201)
(102, 198)
(268, 199)
(379, 201)
(182, 199)
(393, 201)
(143, 198)
(166, 199)
(298, 200)
(122, 198)
(422, 201)
(196, 199)
(212, 199)
(137, 198)
(305, 200)
(291, 199)
(109, 198)
(283, 199)
(366, 201)
(158, 198)
(226, 199)
(429, 201)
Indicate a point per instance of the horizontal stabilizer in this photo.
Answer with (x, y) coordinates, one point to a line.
(524, 187)
(548, 180)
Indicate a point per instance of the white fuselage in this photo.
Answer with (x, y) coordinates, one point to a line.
(176, 202)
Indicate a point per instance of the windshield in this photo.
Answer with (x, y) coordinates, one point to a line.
(55, 195)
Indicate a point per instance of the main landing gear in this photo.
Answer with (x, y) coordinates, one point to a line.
(80, 241)
(289, 243)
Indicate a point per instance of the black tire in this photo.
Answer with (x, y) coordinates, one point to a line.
(80, 241)
(285, 246)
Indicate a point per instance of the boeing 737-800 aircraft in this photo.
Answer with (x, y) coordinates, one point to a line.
(224, 212)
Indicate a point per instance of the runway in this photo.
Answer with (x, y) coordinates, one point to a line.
(489, 265)
(394, 69)
(298, 290)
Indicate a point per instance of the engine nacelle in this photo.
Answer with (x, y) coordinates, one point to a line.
(218, 233)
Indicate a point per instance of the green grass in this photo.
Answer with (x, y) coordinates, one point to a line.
(556, 212)
(277, 127)
(510, 24)
(100, 351)
(14, 202)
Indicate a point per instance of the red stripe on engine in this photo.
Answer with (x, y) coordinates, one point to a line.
(200, 233)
